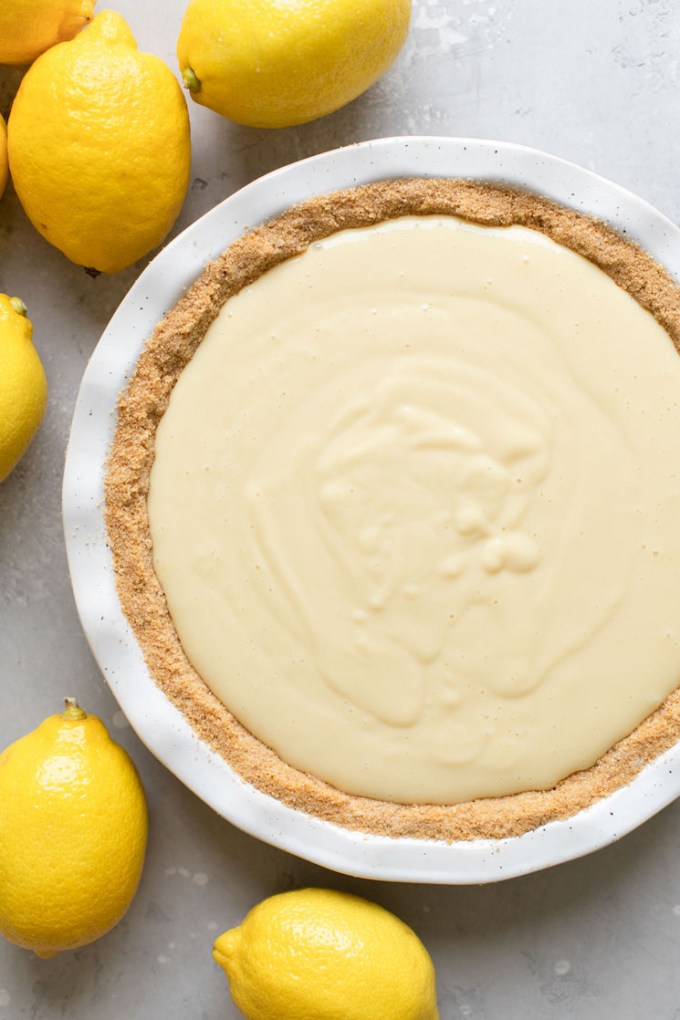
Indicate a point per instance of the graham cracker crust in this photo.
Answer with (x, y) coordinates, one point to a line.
(142, 405)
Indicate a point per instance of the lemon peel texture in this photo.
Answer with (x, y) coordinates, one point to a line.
(319, 954)
(270, 64)
(29, 27)
(99, 146)
(73, 830)
(4, 167)
(23, 386)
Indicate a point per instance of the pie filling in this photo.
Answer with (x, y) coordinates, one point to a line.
(414, 509)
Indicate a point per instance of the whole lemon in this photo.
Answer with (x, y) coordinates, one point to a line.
(318, 954)
(23, 387)
(99, 146)
(273, 63)
(29, 27)
(3, 155)
(73, 827)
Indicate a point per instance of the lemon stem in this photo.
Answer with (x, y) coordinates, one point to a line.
(73, 711)
(18, 305)
(191, 80)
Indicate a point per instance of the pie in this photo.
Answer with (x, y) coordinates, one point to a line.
(393, 501)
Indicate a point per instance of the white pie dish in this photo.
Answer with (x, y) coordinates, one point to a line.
(159, 724)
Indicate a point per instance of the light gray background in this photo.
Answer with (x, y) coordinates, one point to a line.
(595, 81)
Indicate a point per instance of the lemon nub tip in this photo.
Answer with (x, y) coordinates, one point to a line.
(219, 957)
(223, 949)
(191, 80)
(18, 306)
(72, 710)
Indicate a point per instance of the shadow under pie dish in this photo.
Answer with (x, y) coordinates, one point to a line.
(402, 465)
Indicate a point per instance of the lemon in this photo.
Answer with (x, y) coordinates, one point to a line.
(3, 155)
(99, 147)
(72, 833)
(269, 63)
(29, 27)
(318, 954)
(23, 387)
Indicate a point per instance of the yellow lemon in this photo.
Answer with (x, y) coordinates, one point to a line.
(99, 147)
(3, 155)
(73, 829)
(269, 63)
(318, 954)
(29, 27)
(23, 387)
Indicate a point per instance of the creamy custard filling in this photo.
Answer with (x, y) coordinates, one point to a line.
(415, 506)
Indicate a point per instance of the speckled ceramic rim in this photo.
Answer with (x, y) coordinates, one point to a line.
(157, 722)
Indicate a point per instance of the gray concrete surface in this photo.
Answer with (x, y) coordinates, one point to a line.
(595, 81)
